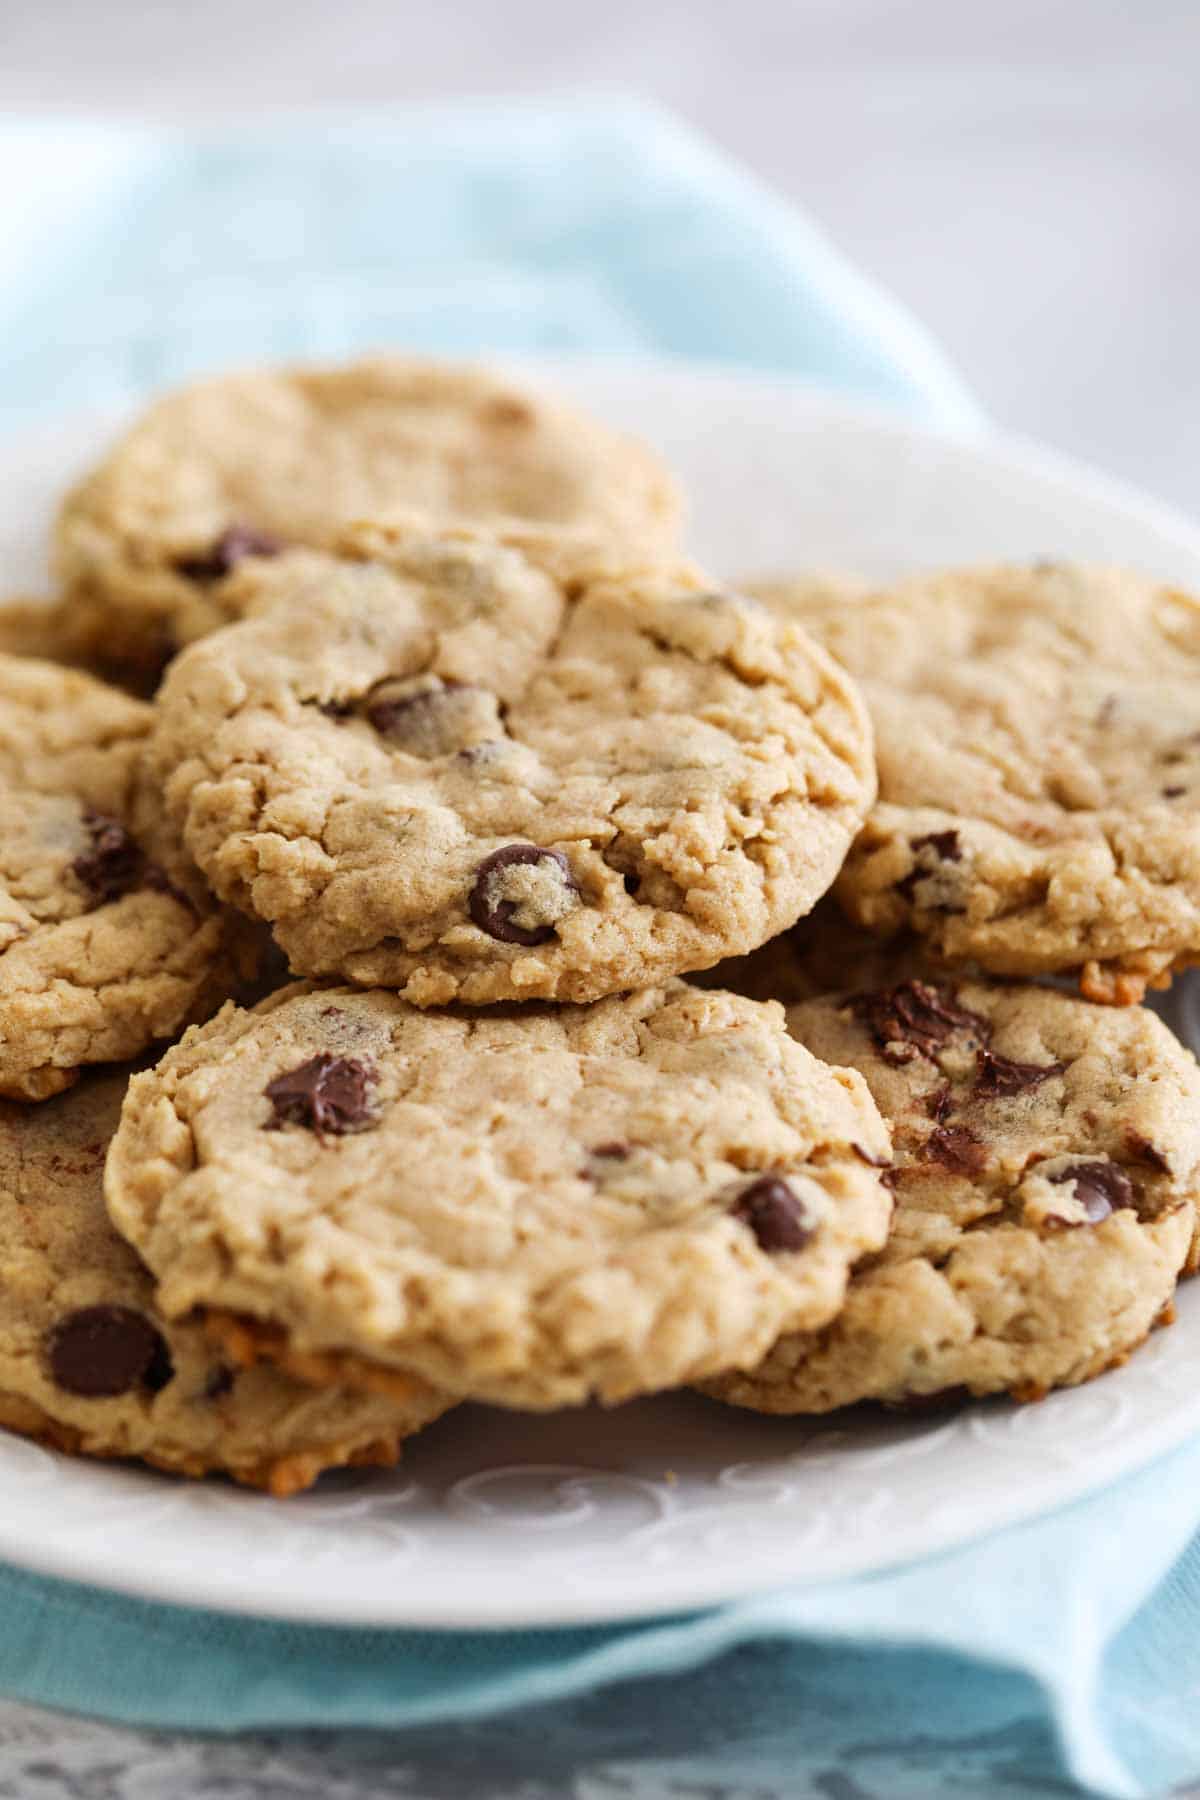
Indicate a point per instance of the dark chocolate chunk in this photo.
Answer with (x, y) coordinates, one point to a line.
(489, 908)
(223, 556)
(113, 864)
(329, 1095)
(1173, 793)
(1000, 1076)
(957, 1149)
(1101, 1188)
(945, 846)
(775, 1214)
(102, 1351)
(940, 1104)
(916, 1019)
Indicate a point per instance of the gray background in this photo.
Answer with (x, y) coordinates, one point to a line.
(1025, 177)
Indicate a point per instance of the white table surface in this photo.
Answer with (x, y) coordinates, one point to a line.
(1024, 177)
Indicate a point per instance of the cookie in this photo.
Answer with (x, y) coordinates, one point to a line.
(524, 1205)
(100, 954)
(821, 953)
(1047, 1168)
(450, 774)
(87, 1363)
(1039, 768)
(241, 467)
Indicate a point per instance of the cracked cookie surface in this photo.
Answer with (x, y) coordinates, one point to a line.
(450, 774)
(87, 1363)
(99, 954)
(1039, 767)
(1047, 1170)
(240, 468)
(526, 1205)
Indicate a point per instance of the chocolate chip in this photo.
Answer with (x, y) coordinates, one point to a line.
(219, 1383)
(915, 1019)
(1142, 1150)
(102, 1351)
(328, 1095)
(1173, 793)
(226, 552)
(336, 709)
(1101, 1188)
(946, 847)
(1000, 1076)
(494, 910)
(957, 1149)
(614, 1152)
(113, 865)
(940, 1104)
(429, 717)
(775, 1214)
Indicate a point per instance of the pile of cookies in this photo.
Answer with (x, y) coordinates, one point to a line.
(405, 853)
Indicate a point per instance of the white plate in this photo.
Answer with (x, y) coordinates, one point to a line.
(502, 1520)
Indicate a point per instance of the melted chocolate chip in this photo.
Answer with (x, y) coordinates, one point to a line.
(113, 865)
(1101, 1188)
(940, 1104)
(945, 845)
(425, 718)
(1000, 1076)
(102, 1351)
(223, 556)
(336, 709)
(613, 1152)
(328, 1095)
(1173, 793)
(957, 1149)
(915, 1019)
(775, 1214)
(494, 913)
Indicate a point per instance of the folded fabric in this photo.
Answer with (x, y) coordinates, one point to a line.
(130, 257)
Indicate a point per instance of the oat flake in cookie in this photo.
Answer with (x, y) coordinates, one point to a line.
(1047, 1168)
(447, 773)
(87, 1363)
(100, 954)
(1038, 736)
(240, 469)
(523, 1205)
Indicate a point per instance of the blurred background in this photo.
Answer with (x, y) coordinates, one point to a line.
(1023, 177)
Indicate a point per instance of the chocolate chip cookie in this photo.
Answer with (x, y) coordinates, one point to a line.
(1047, 1169)
(240, 468)
(820, 953)
(1038, 736)
(523, 1205)
(87, 1363)
(450, 774)
(100, 953)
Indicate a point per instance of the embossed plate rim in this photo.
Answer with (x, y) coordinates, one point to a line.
(498, 1521)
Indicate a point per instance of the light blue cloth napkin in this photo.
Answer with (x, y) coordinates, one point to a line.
(130, 257)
